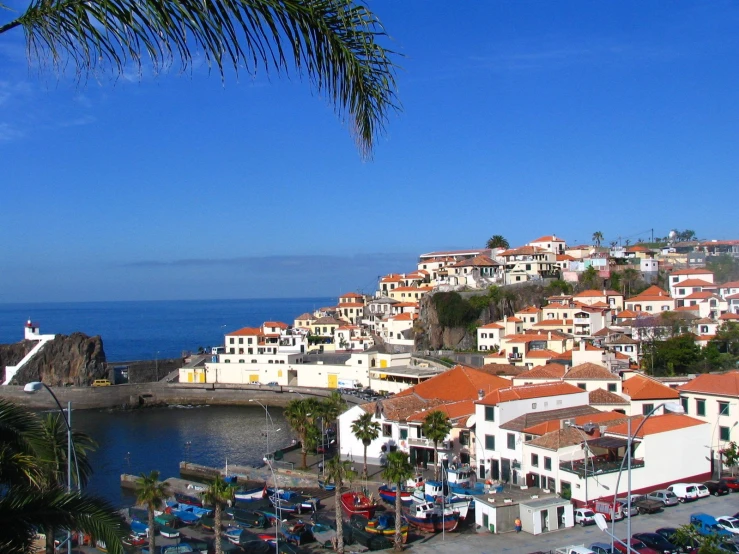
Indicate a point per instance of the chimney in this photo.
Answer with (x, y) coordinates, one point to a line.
(582, 345)
(549, 335)
(505, 319)
(480, 394)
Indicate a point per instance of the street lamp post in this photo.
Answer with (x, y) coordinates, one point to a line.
(36, 386)
(278, 510)
(267, 422)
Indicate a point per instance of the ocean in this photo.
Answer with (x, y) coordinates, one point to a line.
(147, 330)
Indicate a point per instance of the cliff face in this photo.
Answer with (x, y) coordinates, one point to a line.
(67, 360)
(430, 334)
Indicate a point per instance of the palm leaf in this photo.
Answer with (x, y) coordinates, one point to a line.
(335, 43)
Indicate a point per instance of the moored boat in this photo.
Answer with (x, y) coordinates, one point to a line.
(326, 486)
(357, 503)
(187, 499)
(184, 517)
(387, 493)
(169, 532)
(233, 535)
(249, 495)
(291, 501)
(384, 524)
(431, 518)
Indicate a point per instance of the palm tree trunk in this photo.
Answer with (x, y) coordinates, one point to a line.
(436, 462)
(398, 515)
(152, 540)
(365, 461)
(49, 540)
(339, 519)
(219, 545)
(304, 453)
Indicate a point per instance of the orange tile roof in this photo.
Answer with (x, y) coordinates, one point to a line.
(627, 314)
(351, 295)
(304, 316)
(392, 278)
(277, 324)
(641, 387)
(565, 258)
(406, 316)
(515, 319)
(730, 285)
(549, 238)
(525, 392)
(459, 383)
(590, 371)
(555, 424)
(594, 293)
(543, 354)
(729, 317)
(695, 308)
(477, 261)
(696, 271)
(406, 305)
(250, 331)
(723, 384)
(523, 251)
(654, 290)
(408, 289)
(656, 424)
(732, 297)
(503, 369)
(695, 283)
(453, 410)
(703, 295)
(553, 323)
(547, 371)
(602, 396)
(529, 310)
(491, 326)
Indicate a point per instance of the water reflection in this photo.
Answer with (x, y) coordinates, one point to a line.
(160, 438)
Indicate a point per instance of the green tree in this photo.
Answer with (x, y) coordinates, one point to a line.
(676, 354)
(497, 241)
(597, 238)
(339, 471)
(365, 430)
(558, 287)
(218, 494)
(301, 414)
(589, 279)
(334, 43)
(727, 338)
(29, 501)
(436, 426)
(725, 268)
(151, 492)
(398, 471)
(630, 276)
(731, 455)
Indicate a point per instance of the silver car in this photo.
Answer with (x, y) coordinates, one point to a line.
(668, 498)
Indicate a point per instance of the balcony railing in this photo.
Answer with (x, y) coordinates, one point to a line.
(582, 321)
(426, 443)
(597, 466)
(515, 356)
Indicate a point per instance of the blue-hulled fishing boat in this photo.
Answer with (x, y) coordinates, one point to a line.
(387, 493)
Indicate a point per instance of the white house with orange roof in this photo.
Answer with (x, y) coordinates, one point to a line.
(550, 243)
(530, 315)
(528, 263)
(303, 321)
(708, 304)
(728, 289)
(644, 393)
(714, 398)
(533, 348)
(557, 325)
(501, 445)
(587, 376)
(389, 283)
(489, 336)
(351, 307)
(478, 272)
(651, 300)
(397, 329)
(610, 298)
(697, 279)
(409, 294)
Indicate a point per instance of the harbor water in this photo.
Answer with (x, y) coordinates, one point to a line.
(159, 439)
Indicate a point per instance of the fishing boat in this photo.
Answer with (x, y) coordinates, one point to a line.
(434, 492)
(387, 493)
(167, 520)
(384, 524)
(168, 532)
(208, 523)
(469, 490)
(357, 503)
(459, 474)
(291, 501)
(248, 518)
(431, 518)
(233, 535)
(185, 517)
(182, 548)
(187, 499)
(139, 528)
(271, 517)
(324, 485)
(267, 537)
(297, 534)
(249, 495)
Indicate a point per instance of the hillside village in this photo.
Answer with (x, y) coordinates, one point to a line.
(582, 369)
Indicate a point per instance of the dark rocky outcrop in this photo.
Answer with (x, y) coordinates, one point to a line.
(67, 360)
(431, 334)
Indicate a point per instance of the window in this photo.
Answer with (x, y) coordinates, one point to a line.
(241, 361)
(534, 460)
(511, 440)
(646, 408)
(489, 442)
(724, 433)
(403, 434)
(674, 279)
(582, 386)
(547, 463)
(464, 438)
(700, 407)
(611, 387)
(489, 413)
(232, 351)
(723, 408)
(387, 430)
(231, 340)
(684, 402)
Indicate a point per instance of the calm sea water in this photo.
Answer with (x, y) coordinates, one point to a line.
(147, 330)
(140, 441)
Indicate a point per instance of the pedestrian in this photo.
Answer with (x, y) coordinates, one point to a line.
(320, 467)
(517, 524)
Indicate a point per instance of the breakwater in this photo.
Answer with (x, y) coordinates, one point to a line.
(163, 394)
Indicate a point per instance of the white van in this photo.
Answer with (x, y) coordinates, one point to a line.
(684, 491)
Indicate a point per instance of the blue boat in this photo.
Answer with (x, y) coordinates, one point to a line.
(291, 501)
(139, 528)
(249, 495)
(186, 518)
(387, 493)
(326, 486)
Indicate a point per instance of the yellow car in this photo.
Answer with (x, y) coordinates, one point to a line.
(101, 383)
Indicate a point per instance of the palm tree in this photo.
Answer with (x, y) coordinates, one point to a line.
(436, 426)
(339, 471)
(398, 471)
(218, 493)
(597, 238)
(301, 414)
(365, 430)
(151, 493)
(630, 276)
(497, 241)
(31, 501)
(335, 43)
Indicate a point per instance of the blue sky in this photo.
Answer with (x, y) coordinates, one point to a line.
(519, 118)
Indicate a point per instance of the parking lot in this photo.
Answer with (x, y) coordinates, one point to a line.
(523, 543)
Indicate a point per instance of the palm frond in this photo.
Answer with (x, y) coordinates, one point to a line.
(335, 43)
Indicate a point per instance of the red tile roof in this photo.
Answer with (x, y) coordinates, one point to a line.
(491, 326)
(656, 424)
(524, 392)
(453, 410)
(590, 371)
(654, 290)
(277, 324)
(703, 295)
(351, 295)
(523, 251)
(696, 271)
(529, 310)
(555, 424)
(641, 387)
(724, 384)
(549, 238)
(250, 331)
(602, 396)
(458, 383)
(729, 317)
(548, 371)
(594, 293)
(541, 354)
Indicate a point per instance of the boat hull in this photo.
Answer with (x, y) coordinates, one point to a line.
(354, 503)
(434, 523)
(388, 495)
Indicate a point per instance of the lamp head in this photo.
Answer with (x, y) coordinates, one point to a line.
(251, 400)
(600, 521)
(674, 407)
(32, 387)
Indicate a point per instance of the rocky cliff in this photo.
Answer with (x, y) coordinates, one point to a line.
(431, 333)
(67, 360)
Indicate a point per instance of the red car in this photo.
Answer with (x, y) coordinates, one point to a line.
(732, 483)
(637, 545)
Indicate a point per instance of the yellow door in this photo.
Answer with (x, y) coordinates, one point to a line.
(253, 378)
(189, 376)
(333, 381)
(383, 363)
(201, 377)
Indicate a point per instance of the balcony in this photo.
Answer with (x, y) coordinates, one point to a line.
(426, 443)
(598, 466)
(582, 321)
(515, 356)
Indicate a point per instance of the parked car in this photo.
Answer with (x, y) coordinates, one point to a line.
(731, 524)
(684, 491)
(729, 547)
(657, 542)
(644, 505)
(717, 488)
(635, 544)
(732, 483)
(670, 533)
(705, 525)
(584, 516)
(602, 548)
(702, 490)
(667, 498)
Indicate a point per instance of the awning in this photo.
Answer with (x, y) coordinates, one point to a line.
(608, 442)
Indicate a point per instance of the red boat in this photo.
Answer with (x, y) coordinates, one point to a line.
(357, 503)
